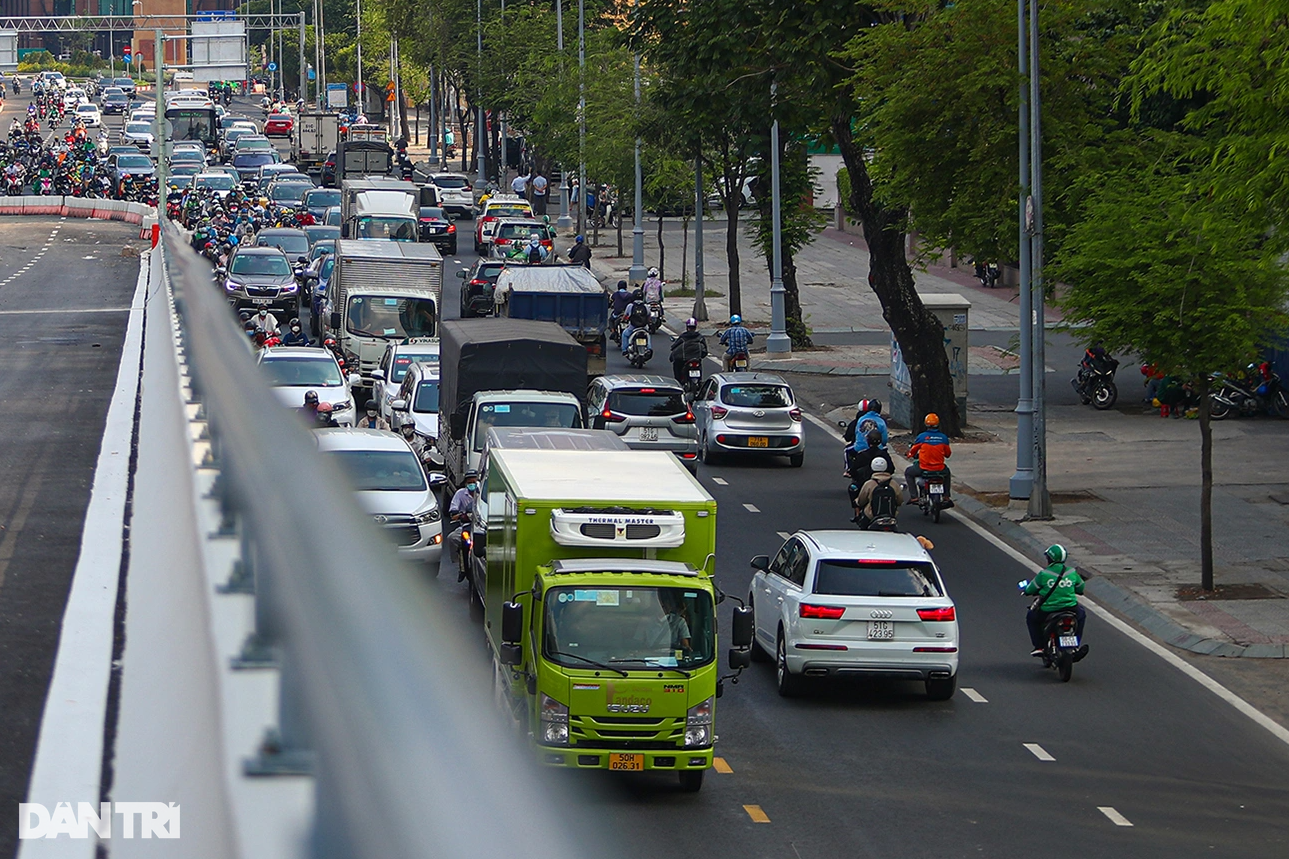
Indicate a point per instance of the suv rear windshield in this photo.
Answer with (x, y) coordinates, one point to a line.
(876, 579)
(450, 181)
(647, 402)
(756, 396)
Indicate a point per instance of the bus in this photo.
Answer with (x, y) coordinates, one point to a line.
(194, 123)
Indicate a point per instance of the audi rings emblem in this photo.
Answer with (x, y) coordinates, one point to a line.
(881, 613)
(380, 520)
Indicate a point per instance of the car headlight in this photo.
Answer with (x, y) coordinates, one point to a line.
(431, 515)
(232, 286)
(698, 724)
(554, 719)
(290, 288)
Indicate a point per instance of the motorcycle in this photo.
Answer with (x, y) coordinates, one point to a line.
(1095, 384)
(46, 185)
(1061, 645)
(615, 327)
(1259, 390)
(639, 348)
(738, 362)
(987, 274)
(693, 377)
(13, 184)
(655, 317)
(933, 491)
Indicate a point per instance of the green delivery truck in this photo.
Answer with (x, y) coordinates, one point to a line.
(600, 609)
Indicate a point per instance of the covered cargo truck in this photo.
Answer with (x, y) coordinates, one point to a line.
(568, 295)
(599, 607)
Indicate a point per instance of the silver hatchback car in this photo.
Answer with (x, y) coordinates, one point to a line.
(647, 412)
(748, 413)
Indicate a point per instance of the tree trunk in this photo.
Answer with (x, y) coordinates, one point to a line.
(662, 251)
(731, 254)
(796, 326)
(917, 330)
(1205, 488)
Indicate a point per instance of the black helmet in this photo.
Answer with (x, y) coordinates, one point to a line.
(874, 438)
(622, 284)
(310, 398)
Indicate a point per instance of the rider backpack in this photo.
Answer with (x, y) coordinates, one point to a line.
(535, 254)
(883, 501)
(639, 315)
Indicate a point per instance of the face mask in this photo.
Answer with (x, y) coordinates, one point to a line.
(295, 329)
(408, 432)
(472, 486)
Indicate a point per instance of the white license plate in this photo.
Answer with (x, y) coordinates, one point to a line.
(695, 374)
(648, 433)
(263, 301)
(1068, 641)
(881, 630)
(936, 489)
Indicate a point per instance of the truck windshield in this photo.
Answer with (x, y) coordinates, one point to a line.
(385, 316)
(382, 470)
(562, 415)
(628, 627)
(393, 228)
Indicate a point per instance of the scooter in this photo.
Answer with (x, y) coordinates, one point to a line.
(738, 362)
(655, 317)
(639, 348)
(693, 377)
(615, 327)
(933, 491)
(46, 185)
(1061, 645)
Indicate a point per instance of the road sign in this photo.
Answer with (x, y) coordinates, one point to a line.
(313, 75)
(272, 67)
(337, 96)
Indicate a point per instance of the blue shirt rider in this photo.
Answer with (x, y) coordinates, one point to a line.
(870, 418)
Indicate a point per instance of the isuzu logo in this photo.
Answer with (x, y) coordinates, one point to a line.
(881, 613)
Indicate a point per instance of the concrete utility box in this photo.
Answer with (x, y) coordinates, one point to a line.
(953, 311)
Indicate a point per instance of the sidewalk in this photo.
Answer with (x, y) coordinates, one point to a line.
(1125, 482)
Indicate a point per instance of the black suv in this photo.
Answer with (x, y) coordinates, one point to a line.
(477, 285)
(262, 277)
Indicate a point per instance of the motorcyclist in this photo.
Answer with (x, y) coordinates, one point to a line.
(459, 510)
(689, 346)
(265, 321)
(580, 253)
(868, 415)
(296, 336)
(652, 287)
(637, 317)
(874, 501)
(324, 416)
(736, 339)
(373, 420)
(535, 252)
(619, 301)
(309, 410)
(859, 464)
(1056, 588)
(931, 448)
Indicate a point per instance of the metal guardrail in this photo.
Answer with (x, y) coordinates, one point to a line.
(378, 699)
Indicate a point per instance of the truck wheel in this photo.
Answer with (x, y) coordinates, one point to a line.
(691, 781)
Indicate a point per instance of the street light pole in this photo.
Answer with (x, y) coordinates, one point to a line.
(700, 297)
(358, 49)
(637, 272)
(1022, 482)
(581, 115)
(1040, 503)
(778, 342)
(563, 222)
(478, 92)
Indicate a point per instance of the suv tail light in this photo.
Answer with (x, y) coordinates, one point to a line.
(611, 418)
(938, 615)
(686, 418)
(826, 612)
(719, 411)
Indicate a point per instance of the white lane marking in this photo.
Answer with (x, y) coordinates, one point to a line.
(974, 695)
(721, 480)
(1115, 817)
(783, 535)
(752, 508)
(1280, 732)
(1039, 752)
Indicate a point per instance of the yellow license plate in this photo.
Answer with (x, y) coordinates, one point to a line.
(626, 763)
(758, 441)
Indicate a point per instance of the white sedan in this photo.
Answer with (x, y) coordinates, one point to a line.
(89, 114)
(854, 604)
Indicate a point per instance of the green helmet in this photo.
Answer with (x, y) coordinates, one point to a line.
(1056, 554)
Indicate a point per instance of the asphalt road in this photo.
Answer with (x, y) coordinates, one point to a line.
(65, 290)
(876, 770)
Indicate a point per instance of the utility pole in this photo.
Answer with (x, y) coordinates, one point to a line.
(1040, 503)
(478, 93)
(563, 222)
(1022, 482)
(700, 296)
(637, 273)
(159, 118)
(581, 116)
(304, 72)
(778, 342)
(358, 48)
(501, 114)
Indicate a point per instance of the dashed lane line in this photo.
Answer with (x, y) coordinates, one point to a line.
(1039, 752)
(721, 480)
(752, 508)
(783, 535)
(974, 695)
(720, 765)
(757, 815)
(1115, 817)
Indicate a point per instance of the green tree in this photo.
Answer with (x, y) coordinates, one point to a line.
(1179, 278)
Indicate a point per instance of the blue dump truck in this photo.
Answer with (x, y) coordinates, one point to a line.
(568, 295)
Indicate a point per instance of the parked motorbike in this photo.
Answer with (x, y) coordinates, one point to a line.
(1095, 384)
(933, 492)
(1258, 390)
(987, 274)
(655, 317)
(693, 377)
(639, 348)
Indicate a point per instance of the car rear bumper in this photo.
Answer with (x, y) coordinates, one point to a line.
(778, 443)
(836, 664)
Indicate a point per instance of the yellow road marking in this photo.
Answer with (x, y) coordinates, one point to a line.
(720, 766)
(757, 815)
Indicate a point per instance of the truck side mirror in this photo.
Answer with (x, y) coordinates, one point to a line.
(335, 321)
(741, 634)
(759, 562)
(511, 654)
(344, 231)
(740, 658)
(512, 623)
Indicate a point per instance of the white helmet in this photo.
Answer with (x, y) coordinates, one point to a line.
(653, 272)
(879, 465)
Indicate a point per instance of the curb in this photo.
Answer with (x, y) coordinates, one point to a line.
(1117, 599)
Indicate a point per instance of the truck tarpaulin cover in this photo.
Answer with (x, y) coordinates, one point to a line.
(505, 354)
